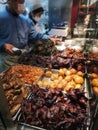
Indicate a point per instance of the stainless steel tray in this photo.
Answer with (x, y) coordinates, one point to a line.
(92, 110)
(88, 122)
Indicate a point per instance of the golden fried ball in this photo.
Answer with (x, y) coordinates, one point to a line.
(73, 71)
(52, 85)
(94, 82)
(78, 79)
(61, 72)
(80, 73)
(64, 69)
(68, 72)
(95, 89)
(93, 75)
(68, 78)
(78, 86)
(48, 73)
(56, 81)
(68, 86)
(60, 78)
(63, 82)
(44, 83)
(60, 85)
(54, 76)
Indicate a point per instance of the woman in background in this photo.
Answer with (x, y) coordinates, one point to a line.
(35, 15)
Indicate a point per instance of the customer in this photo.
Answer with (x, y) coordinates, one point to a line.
(35, 14)
(16, 30)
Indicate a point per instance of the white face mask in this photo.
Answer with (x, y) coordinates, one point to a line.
(20, 8)
(36, 18)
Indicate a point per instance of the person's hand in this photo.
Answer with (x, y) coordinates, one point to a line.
(8, 48)
(54, 39)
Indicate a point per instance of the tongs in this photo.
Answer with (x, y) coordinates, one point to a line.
(88, 82)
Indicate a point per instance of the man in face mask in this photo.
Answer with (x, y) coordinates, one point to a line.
(16, 6)
(16, 31)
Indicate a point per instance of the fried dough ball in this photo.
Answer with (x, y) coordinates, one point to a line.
(73, 71)
(63, 82)
(61, 72)
(54, 76)
(52, 85)
(48, 73)
(68, 78)
(69, 85)
(80, 73)
(78, 86)
(45, 83)
(60, 85)
(93, 75)
(94, 82)
(95, 89)
(60, 78)
(78, 79)
(64, 69)
(68, 72)
(56, 81)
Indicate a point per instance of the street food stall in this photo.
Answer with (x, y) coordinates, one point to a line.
(55, 85)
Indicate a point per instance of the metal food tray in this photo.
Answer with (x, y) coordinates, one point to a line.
(31, 127)
(86, 84)
(92, 98)
(55, 71)
(90, 121)
(89, 95)
(4, 101)
(6, 104)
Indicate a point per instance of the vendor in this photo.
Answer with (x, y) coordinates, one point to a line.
(35, 14)
(16, 31)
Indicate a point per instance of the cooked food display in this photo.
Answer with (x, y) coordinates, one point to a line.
(57, 100)
(15, 91)
(27, 74)
(62, 78)
(67, 58)
(54, 110)
(44, 47)
(16, 84)
(49, 65)
(94, 82)
(35, 60)
(93, 55)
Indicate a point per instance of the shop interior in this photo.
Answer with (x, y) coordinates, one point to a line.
(55, 85)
